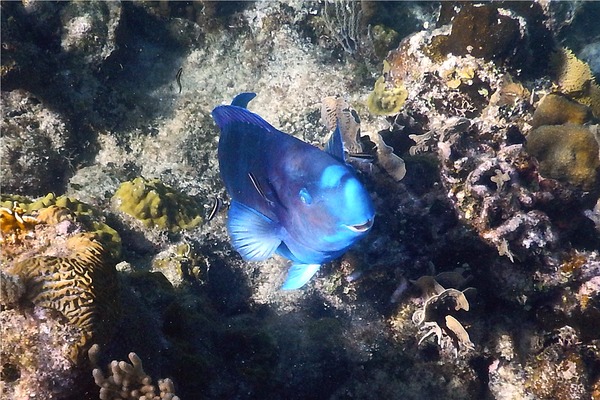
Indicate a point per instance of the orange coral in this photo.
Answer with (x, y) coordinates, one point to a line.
(14, 225)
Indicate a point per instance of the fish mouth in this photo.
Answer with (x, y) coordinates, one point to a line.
(360, 228)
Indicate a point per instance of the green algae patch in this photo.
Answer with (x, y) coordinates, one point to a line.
(157, 205)
(568, 153)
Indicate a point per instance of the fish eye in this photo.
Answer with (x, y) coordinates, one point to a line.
(305, 197)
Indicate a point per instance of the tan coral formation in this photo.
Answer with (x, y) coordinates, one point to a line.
(129, 381)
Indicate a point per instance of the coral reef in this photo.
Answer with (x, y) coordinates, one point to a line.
(36, 355)
(456, 144)
(155, 204)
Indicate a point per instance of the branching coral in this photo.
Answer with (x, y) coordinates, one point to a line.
(129, 381)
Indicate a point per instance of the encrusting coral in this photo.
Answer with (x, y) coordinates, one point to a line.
(129, 381)
(155, 204)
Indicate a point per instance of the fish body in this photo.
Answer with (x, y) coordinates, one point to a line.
(288, 197)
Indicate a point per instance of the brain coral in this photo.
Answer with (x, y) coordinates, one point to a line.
(567, 153)
(62, 294)
(157, 205)
(64, 267)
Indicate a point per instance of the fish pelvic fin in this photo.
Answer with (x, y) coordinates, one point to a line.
(242, 99)
(299, 274)
(253, 235)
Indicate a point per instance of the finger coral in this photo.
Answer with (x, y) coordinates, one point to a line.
(157, 205)
(129, 381)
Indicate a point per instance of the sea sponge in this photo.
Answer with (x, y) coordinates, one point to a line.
(557, 109)
(386, 101)
(567, 153)
(157, 205)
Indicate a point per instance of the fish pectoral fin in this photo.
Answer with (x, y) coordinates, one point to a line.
(299, 274)
(335, 145)
(253, 235)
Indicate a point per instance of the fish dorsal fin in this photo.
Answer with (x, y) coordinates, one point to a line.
(335, 145)
(227, 115)
(299, 274)
(253, 235)
(242, 99)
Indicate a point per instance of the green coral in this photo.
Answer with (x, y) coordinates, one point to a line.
(90, 217)
(157, 205)
(385, 101)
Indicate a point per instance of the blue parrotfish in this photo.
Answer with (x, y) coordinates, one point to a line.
(287, 196)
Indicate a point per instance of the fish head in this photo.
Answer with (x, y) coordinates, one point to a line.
(327, 207)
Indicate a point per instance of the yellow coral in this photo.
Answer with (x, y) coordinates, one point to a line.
(91, 218)
(575, 78)
(157, 205)
(14, 224)
(384, 101)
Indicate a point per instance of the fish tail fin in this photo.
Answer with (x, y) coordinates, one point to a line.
(299, 274)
